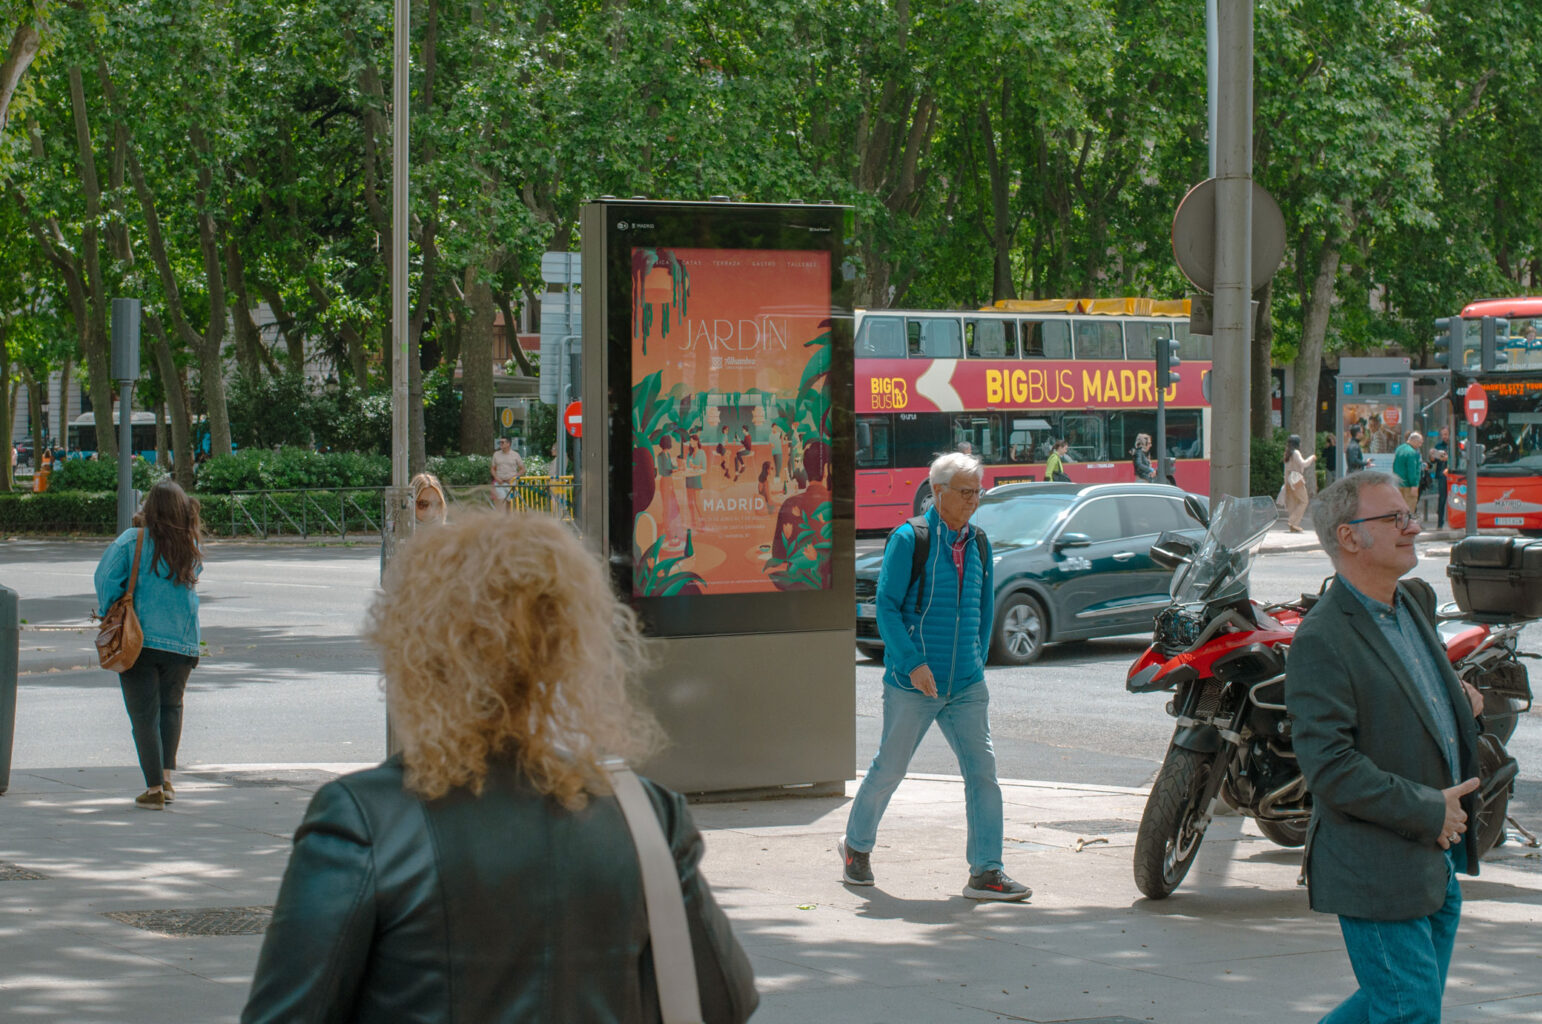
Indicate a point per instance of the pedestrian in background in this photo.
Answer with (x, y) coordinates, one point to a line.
(1296, 469)
(507, 467)
(1354, 456)
(936, 629)
(485, 872)
(1408, 467)
(166, 602)
(1140, 455)
(1054, 467)
(1440, 460)
(429, 507)
(1387, 741)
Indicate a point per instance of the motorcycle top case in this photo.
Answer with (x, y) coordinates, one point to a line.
(1497, 577)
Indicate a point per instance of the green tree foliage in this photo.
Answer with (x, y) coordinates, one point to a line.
(211, 156)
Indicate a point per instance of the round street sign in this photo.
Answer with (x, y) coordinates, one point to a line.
(573, 419)
(1194, 236)
(506, 417)
(1477, 405)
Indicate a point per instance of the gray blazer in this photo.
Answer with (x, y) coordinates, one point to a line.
(1373, 761)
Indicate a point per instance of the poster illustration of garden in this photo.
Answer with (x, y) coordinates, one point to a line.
(730, 421)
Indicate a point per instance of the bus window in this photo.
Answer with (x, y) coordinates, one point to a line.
(1124, 426)
(1185, 439)
(873, 442)
(881, 337)
(919, 438)
(983, 433)
(934, 337)
(1085, 433)
(1099, 339)
(1029, 439)
(990, 339)
(1140, 338)
(1191, 346)
(1046, 339)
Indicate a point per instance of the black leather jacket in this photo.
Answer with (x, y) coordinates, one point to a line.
(503, 907)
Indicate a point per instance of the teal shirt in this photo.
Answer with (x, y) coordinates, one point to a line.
(1406, 465)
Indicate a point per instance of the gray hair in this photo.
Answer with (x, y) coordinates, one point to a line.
(1339, 502)
(950, 464)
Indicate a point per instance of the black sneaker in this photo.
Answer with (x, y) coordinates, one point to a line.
(995, 885)
(855, 869)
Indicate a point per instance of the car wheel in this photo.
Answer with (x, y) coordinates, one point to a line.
(1021, 627)
(872, 652)
(924, 499)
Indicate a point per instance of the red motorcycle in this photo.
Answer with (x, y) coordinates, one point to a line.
(1223, 656)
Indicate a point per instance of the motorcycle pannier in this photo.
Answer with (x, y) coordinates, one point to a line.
(1497, 577)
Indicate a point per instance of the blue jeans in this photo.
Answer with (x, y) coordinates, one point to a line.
(964, 719)
(1401, 965)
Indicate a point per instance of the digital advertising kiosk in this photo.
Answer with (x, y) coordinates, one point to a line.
(718, 478)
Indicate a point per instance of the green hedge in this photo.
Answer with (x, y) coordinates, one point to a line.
(60, 512)
(259, 469)
(89, 475)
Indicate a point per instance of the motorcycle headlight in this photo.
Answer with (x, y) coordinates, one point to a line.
(1177, 629)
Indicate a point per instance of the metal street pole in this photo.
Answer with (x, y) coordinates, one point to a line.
(398, 517)
(1233, 248)
(125, 370)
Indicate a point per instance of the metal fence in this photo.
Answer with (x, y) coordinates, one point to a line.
(338, 512)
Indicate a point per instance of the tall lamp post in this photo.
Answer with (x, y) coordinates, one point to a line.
(125, 370)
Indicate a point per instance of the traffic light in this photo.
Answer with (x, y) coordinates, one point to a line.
(1167, 362)
(1492, 351)
(1445, 343)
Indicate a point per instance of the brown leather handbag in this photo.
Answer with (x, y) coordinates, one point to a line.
(119, 639)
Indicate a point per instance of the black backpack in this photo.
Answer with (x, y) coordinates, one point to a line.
(918, 555)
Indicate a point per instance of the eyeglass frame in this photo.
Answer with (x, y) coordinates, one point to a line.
(967, 493)
(1405, 515)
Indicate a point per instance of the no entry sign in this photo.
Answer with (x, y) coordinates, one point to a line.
(1477, 405)
(573, 419)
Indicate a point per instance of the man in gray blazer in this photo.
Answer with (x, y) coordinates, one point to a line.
(1387, 739)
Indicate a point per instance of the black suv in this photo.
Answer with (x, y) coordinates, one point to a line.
(1072, 562)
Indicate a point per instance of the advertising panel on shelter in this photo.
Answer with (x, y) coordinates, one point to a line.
(730, 417)
(729, 398)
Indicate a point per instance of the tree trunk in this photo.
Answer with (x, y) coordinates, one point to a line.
(1001, 232)
(476, 363)
(294, 339)
(162, 450)
(5, 413)
(93, 333)
(249, 350)
(172, 386)
(1262, 377)
(511, 332)
(24, 44)
(1314, 328)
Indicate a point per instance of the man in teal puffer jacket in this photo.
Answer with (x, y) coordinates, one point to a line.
(935, 636)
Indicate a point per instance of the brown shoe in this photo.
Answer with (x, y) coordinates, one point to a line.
(167, 792)
(152, 799)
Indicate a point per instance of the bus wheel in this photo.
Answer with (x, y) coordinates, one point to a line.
(924, 499)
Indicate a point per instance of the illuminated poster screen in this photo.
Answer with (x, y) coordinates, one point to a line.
(730, 421)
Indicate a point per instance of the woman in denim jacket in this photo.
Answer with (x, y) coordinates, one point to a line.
(166, 601)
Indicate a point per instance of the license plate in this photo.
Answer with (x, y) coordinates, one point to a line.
(1509, 520)
(867, 611)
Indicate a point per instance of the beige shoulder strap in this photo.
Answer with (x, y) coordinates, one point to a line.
(674, 964)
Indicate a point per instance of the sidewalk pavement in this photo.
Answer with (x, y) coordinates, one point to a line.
(113, 913)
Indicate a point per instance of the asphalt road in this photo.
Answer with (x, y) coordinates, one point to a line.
(286, 678)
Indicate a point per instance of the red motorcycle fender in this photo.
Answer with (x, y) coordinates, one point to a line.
(1202, 739)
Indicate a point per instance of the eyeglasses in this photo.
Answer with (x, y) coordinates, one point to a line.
(967, 493)
(1399, 519)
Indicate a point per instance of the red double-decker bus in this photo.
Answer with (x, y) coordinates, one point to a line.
(1010, 380)
(1510, 472)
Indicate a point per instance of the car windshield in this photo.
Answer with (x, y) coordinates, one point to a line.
(1019, 520)
(1219, 569)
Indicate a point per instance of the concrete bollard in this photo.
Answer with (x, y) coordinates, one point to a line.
(10, 641)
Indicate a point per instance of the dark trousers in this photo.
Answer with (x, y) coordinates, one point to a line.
(152, 693)
(1440, 500)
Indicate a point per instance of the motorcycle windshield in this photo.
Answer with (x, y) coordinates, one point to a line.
(1219, 569)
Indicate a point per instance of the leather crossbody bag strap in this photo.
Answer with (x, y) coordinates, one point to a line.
(674, 963)
(139, 545)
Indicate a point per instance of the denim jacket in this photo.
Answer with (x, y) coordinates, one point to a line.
(168, 611)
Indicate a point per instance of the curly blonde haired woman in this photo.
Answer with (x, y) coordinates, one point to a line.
(485, 872)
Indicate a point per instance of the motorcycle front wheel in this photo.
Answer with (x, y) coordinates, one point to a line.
(1169, 835)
